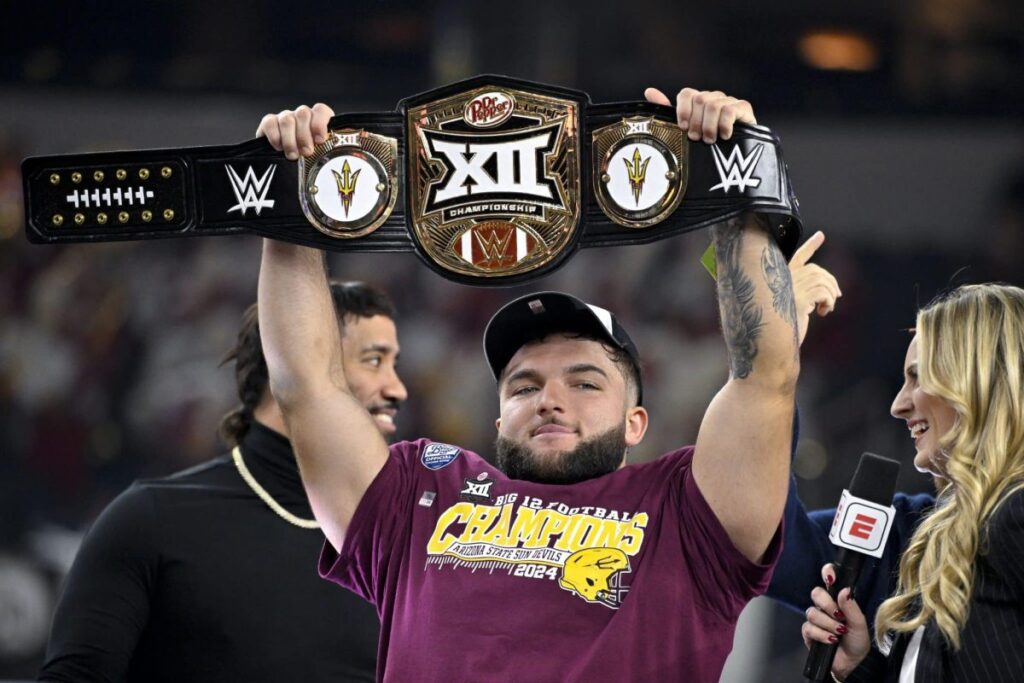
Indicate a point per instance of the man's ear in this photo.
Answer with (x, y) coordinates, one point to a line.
(636, 425)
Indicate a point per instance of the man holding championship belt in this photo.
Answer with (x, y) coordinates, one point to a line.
(561, 563)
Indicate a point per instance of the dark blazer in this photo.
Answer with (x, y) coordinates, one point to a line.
(992, 640)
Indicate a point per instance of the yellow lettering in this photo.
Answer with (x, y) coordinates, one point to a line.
(633, 537)
(478, 523)
(569, 526)
(514, 527)
(554, 524)
(608, 534)
(440, 540)
(572, 531)
(527, 525)
(498, 533)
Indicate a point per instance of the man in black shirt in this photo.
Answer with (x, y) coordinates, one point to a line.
(210, 574)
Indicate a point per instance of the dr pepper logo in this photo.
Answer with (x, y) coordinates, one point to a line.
(489, 109)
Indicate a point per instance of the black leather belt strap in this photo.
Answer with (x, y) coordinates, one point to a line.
(490, 181)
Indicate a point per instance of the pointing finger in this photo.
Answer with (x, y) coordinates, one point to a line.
(807, 249)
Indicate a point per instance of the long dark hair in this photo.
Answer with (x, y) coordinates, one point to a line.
(350, 299)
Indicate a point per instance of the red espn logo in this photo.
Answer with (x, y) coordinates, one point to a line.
(863, 527)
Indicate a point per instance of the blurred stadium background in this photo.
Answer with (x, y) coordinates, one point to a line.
(901, 124)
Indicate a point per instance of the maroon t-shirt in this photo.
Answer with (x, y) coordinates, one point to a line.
(626, 577)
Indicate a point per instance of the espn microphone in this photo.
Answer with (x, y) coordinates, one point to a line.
(859, 529)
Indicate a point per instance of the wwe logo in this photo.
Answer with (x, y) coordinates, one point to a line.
(736, 170)
(494, 246)
(251, 192)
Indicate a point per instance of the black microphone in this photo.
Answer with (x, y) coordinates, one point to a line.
(860, 528)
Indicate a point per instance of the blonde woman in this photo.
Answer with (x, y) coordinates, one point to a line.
(958, 610)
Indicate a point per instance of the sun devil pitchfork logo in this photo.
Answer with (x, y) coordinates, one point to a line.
(640, 170)
(637, 172)
(250, 191)
(346, 184)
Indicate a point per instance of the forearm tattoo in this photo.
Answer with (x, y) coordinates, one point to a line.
(777, 277)
(741, 316)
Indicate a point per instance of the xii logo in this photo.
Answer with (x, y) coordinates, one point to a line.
(493, 178)
(478, 491)
(250, 191)
(509, 166)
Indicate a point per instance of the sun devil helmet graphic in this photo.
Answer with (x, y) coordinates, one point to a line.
(588, 573)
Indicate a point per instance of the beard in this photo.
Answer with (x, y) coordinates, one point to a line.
(593, 457)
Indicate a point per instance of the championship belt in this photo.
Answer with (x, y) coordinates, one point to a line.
(491, 181)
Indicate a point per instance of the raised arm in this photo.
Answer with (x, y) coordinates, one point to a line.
(338, 446)
(741, 460)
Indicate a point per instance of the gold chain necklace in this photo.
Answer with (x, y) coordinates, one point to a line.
(236, 455)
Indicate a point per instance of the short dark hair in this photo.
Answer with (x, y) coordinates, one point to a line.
(628, 367)
(351, 299)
